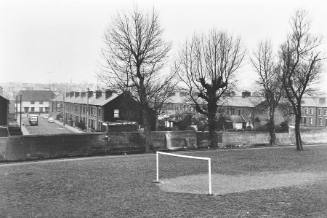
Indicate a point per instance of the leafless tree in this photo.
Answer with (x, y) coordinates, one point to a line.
(301, 60)
(269, 72)
(206, 66)
(135, 53)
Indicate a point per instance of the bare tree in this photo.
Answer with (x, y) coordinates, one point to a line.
(134, 53)
(270, 83)
(301, 65)
(206, 66)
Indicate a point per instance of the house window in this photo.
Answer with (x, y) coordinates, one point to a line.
(116, 113)
(320, 121)
(26, 109)
(232, 111)
(325, 122)
(305, 111)
(239, 112)
(46, 109)
(41, 109)
(304, 120)
(41, 102)
(325, 112)
(310, 111)
(319, 111)
(310, 120)
(32, 109)
(32, 102)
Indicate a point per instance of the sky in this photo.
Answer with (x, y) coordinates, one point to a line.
(47, 41)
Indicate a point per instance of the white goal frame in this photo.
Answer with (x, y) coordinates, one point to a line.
(185, 156)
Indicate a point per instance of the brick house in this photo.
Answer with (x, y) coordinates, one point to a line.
(92, 109)
(314, 112)
(34, 101)
(238, 111)
(4, 111)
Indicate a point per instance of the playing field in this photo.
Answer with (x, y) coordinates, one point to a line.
(271, 182)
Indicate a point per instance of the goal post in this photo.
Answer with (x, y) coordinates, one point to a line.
(184, 156)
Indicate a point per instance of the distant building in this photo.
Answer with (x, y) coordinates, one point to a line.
(238, 112)
(4, 111)
(34, 101)
(92, 109)
(314, 112)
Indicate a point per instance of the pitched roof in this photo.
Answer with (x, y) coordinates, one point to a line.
(1, 96)
(239, 101)
(36, 95)
(92, 100)
(314, 102)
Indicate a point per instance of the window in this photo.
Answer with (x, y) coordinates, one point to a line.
(32, 102)
(320, 121)
(26, 109)
(325, 112)
(310, 111)
(46, 109)
(239, 112)
(116, 113)
(41, 102)
(305, 111)
(304, 120)
(232, 111)
(41, 109)
(319, 111)
(310, 120)
(32, 109)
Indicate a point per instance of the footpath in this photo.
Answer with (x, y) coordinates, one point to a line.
(73, 129)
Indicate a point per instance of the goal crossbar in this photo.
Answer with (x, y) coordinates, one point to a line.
(185, 156)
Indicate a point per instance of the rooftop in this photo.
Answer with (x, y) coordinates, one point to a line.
(36, 95)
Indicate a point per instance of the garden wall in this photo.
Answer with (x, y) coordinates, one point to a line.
(33, 147)
(253, 138)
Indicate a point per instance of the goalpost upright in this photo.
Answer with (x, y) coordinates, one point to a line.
(185, 156)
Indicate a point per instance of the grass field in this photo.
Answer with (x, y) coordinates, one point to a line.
(121, 186)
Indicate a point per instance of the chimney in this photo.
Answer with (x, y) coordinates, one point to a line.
(76, 94)
(246, 94)
(108, 93)
(83, 94)
(89, 94)
(98, 93)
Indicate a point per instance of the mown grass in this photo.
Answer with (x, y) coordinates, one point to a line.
(121, 186)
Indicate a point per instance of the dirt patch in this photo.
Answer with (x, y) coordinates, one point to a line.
(225, 184)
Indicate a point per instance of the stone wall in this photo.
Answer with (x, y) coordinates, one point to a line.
(34, 147)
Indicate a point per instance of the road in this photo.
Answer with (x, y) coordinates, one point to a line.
(44, 127)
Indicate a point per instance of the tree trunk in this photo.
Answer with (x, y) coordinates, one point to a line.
(272, 130)
(147, 130)
(298, 140)
(212, 110)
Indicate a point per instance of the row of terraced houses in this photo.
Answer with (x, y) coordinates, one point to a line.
(109, 106)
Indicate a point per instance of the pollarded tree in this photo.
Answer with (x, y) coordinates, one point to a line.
(206, 66)
(270, 82)
(301, 65)
(134, 54)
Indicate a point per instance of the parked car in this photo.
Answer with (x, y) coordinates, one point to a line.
(45, 116)
(50, 120)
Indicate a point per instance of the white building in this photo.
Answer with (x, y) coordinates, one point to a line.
(34, 101)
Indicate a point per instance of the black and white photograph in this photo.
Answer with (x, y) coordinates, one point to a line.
(163, 108)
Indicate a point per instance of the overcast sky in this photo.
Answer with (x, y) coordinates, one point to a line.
(60, 40)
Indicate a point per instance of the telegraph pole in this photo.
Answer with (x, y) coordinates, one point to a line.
(63, 107)
(20, 111)
(87, 110)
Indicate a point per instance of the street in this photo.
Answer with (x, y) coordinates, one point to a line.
(44, 127)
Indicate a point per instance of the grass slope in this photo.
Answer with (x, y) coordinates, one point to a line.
(121, 186)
